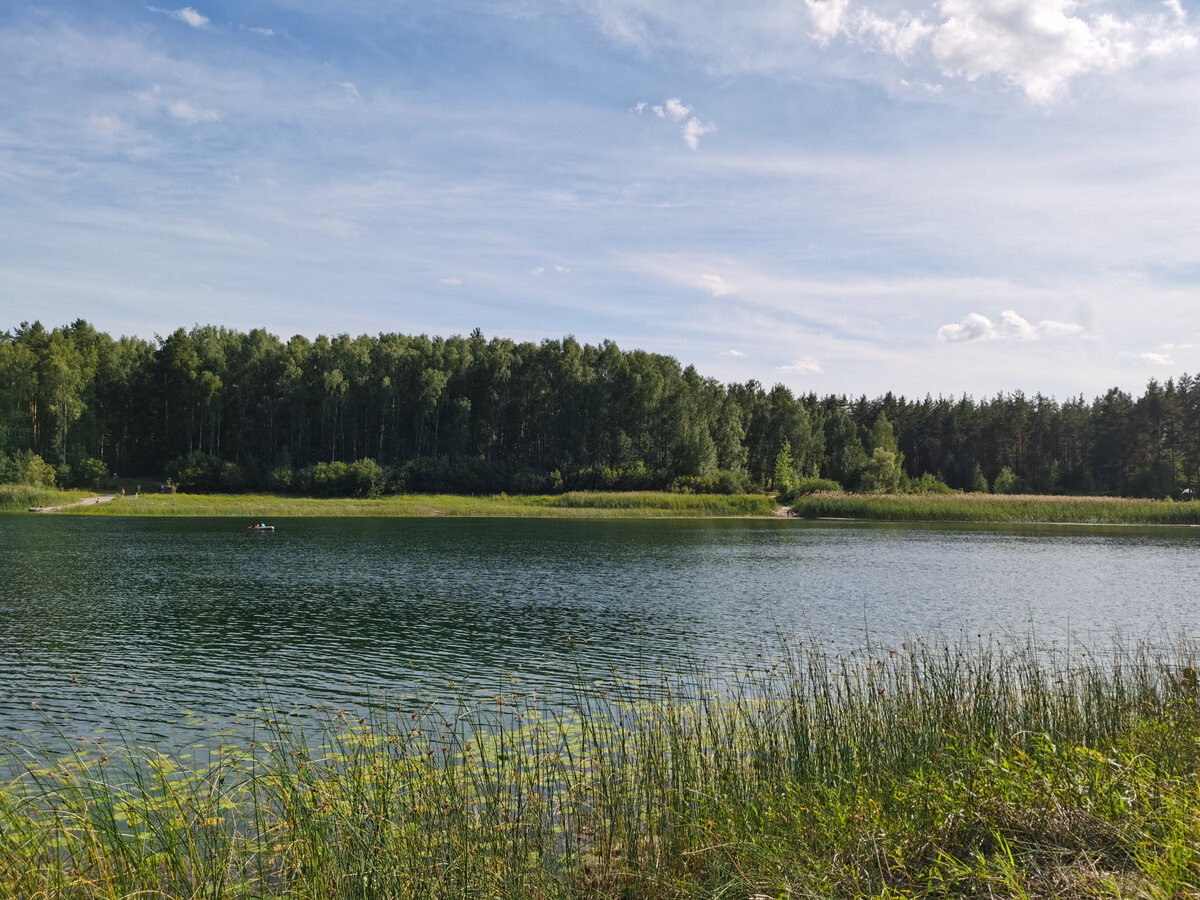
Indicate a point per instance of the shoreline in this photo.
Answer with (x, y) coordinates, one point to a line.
(980, 509)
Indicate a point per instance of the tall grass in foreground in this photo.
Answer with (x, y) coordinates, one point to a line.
(996, 508)
(928, 771)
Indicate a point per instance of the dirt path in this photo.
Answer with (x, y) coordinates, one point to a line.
(86, 501)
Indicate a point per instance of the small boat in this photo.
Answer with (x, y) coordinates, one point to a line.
(261, 527)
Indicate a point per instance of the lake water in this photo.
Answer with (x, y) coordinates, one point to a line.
(179, 626)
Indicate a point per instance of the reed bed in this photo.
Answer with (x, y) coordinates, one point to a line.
(999, 508)
(20, 497)
(927, 771)
(648, 504)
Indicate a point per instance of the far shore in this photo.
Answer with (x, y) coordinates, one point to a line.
(978, 508)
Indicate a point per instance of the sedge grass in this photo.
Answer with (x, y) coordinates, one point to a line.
(648, 504)
(20, 497)
(997, 508)
(928, 771)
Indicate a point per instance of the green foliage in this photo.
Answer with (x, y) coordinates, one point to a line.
(89, 473)
(473, 414)
(26, 467)
(200, 473)
(720, 483)
(929, 484)
(784, 474)
(1007, 483)
(805, 486)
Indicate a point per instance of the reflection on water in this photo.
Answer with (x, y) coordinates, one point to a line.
(160, 620)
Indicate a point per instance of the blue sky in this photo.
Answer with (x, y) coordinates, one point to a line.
(840, 195)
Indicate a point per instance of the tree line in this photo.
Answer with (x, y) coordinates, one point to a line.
(217, 409)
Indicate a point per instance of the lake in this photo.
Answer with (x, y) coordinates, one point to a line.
(177, 627)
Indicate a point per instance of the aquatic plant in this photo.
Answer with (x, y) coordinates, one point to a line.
(926, 770)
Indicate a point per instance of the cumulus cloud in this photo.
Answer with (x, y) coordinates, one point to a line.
(562, 270)
(732, 353)
(187, 15)
(675, 110)
(537, 270)
(805, 366)
(192, 115)
(976, 327)
(453, 281)
(694, 129)
(1037, 45)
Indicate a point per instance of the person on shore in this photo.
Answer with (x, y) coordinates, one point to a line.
(122, 493)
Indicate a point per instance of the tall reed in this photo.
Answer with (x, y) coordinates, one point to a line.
(926, 770)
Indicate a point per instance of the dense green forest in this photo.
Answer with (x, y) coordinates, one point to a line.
(216, 409)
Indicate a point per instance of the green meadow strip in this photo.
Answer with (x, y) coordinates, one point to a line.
(648, 504)
(925, 771)
(997, 508)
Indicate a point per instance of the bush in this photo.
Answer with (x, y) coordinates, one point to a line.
(929, 484)
(26, 467)
(89, 473)
(802, 487)
(723, 482)
(452, 475)
(1007, 483)
(200, 473)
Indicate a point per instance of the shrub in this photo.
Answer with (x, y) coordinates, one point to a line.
(929, 484)
(26, 467)
(200, 473)
(805, 486)
(90, 472)
(723, 482)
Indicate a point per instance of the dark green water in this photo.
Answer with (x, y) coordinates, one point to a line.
(178, 625)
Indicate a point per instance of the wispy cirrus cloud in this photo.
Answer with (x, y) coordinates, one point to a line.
(976, 327)
(192, 115)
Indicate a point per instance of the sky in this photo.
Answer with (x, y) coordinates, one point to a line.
(842, 196)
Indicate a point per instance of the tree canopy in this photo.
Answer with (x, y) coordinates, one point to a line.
(220, 409)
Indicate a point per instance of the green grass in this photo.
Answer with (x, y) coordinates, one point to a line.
(576, 505)
(930, 771)
(20, 497)
(997, 508)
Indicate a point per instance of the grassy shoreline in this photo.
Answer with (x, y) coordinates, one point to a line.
(927, 771)
(997, 508)
(980, 508)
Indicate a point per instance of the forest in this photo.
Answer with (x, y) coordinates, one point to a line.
(212, 409)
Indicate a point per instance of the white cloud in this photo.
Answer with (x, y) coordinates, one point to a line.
(187, 15)
(976, 327)
(675, 109)
(805, 366)
(1151, 359)
(732, 353)
(694, 130)
(717, 286)
(350, 89)
(640, 108)
(265, 32)
(562, 270)
(453, 281)
(192, 115)
(827, 17)
(537, 270)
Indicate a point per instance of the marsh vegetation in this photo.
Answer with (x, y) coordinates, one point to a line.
(927, 770)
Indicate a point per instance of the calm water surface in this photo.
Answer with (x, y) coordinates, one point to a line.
(183, 624)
